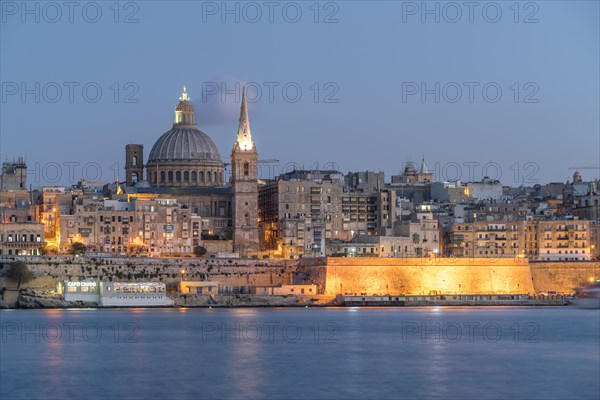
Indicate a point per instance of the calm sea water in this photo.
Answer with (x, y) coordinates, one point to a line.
(312, 353)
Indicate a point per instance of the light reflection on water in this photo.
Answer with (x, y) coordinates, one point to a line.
(341, 353)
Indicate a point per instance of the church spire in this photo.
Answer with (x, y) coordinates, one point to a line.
(423, 169)
(244, 136)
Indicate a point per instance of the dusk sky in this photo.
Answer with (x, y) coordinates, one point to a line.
(361, 69)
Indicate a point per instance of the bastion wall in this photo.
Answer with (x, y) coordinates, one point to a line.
(332, 276)
(414, 276)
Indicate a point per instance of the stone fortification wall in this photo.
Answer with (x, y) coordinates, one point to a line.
(427, 276)
(227, 272)
(332, 275)
(563, 277)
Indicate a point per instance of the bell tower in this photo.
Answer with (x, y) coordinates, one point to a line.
(244, 176)
(134, 164)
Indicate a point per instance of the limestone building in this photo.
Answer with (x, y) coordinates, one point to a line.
(545, 240)
(23, 238)
(13, 176)
(20, 234)
(159, 227)
(487, 189)
(302, 211)
(296, 216)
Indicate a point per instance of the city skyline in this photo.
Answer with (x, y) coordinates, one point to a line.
(357, 111)
(365, 199)
(67, 172)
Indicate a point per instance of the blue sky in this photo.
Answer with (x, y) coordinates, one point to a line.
(361, 74)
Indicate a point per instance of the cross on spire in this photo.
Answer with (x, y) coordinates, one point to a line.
(184, 96)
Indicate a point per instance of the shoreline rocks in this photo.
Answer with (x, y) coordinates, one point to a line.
(30, 299)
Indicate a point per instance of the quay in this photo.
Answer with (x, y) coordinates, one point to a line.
(453, 300)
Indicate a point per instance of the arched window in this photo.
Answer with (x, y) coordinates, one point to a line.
(194, 176)
(201, 176)
(170, 176)
(246, 169)
(134, 161)
(186, 176)
(178, 176)
(209, 177)
(134, 178)
(162, 176)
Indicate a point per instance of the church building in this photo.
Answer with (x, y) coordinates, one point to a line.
(185, 164)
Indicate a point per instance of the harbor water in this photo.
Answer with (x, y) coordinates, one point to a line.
(301, 353)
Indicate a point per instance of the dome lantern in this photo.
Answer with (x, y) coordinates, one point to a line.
(184, 112)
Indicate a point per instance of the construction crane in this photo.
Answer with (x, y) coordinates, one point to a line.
(268, 161)
(586, 167)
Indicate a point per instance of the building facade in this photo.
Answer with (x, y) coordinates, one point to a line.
(544, 240)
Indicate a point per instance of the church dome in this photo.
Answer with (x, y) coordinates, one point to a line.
(185, 143)
(410, 169)
(185, 156)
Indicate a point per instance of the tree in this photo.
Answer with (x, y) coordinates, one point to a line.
(199, 251)
(49, 250)
(78, 248)
(137, 249)
(19, 271)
